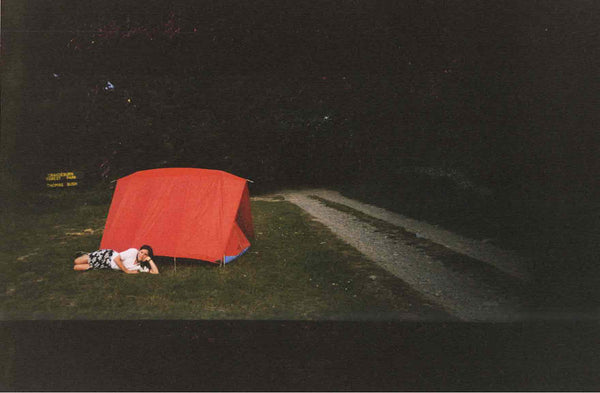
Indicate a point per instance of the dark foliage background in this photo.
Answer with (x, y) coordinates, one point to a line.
(308, 92)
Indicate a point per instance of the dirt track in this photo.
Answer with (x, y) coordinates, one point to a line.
(485, 285)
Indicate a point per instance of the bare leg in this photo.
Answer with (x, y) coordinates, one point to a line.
(81, 267)
(82, 263)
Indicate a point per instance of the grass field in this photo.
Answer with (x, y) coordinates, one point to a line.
(295, 270)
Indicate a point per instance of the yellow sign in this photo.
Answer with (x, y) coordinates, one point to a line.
(60, 175)
(68, 184)
(62, 179)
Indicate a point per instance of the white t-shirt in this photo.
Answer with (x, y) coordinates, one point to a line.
(128, 257)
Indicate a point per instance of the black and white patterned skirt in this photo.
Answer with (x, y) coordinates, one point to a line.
(101, 259)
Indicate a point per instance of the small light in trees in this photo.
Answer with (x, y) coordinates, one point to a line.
(109, 86)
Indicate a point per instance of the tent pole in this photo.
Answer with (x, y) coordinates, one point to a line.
(175, 262)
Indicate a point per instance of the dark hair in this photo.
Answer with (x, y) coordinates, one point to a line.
(150, 251)
(150, 254)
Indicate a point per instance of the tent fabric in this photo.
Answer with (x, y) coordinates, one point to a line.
(181, 212)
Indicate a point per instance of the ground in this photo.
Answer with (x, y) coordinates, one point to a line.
(473, 280)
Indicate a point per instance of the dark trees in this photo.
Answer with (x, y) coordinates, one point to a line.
(306, 93)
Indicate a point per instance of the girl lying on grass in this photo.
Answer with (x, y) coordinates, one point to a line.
(130, 261)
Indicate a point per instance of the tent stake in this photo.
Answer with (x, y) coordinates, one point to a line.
(175, 262)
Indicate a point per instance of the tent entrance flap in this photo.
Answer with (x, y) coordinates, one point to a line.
(231, 258)
(237, 245)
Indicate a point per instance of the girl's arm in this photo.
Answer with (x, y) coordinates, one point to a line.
(153, 267)
(119, 263)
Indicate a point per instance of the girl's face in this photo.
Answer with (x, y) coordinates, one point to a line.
(142, 255)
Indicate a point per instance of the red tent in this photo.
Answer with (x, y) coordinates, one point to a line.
(182, 213)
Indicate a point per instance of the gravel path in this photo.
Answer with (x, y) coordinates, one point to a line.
(458, 292)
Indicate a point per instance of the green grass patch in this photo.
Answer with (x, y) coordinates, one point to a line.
(295, 269)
